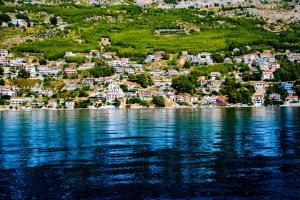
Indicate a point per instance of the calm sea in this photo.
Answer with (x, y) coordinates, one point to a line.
(243, 153)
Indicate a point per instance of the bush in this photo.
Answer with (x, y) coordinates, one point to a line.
(22, 16)
(43, 61)
(75, 59)
(2, 82)
(142, 79)
(53, 20)
(82, 104)
(102, 71)
(136, 100)
(1, 71)
(159, 101)
(218, 57)
(4, 17)
(23, 74)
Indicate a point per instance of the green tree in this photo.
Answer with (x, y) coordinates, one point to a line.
(117, 102)
(2, 82)
(4, 17)
(1, 71)
(22, 16)
(159, 101)
(219, 58)
(142, 79)
(165, 56)
(43, 61)
(102, 71)
(53, 20)
(23, 74)
(183, 84)
(187, 64)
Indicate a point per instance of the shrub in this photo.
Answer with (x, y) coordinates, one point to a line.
(159, 101)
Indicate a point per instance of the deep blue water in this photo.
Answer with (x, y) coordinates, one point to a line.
(150, 154)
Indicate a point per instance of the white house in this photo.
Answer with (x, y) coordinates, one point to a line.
(3, 52)
(114, 92)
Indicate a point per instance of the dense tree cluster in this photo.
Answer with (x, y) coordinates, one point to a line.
(23, 74)
(137, 100)
(142, 79)
(237, 92)
(102, 71)
(183, 84)
(288, 70)
(75, 59)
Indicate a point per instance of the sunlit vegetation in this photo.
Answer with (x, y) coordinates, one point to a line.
(132, 31)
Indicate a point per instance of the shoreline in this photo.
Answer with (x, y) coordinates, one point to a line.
(143, 108)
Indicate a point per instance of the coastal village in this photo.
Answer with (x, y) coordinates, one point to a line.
(28, 83)
(113, 71)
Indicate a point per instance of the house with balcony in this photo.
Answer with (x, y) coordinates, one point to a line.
(113, 92)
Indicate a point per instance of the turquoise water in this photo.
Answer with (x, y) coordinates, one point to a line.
(245, 153)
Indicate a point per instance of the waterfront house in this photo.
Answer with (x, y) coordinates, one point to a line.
(69, 104)
(220, 99)
(15, 101)
(208, 100)
(52, 103)
(113, 92)
(292, 99)
(258, 99)
(275, 96)
(192, 99)
(37, 103)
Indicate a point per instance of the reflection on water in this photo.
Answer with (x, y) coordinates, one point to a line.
(120, 154)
